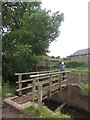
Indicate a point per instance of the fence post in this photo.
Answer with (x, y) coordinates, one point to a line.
(60, 83)
(38, 77)
(33, 89)
(68, 89)
(50, 86)
(40, 94)
(67, 78)
(20, 84)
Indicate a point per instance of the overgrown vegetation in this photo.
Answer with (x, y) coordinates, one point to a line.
(80, 70)
(8, 90)
(42, 112)
(85, 89)
(73, 66)
(76, 64)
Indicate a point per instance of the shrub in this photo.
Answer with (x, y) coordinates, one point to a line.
(7, 89)
(86, 89)
(76, 64)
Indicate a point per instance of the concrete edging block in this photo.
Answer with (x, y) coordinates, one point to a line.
(19, 107)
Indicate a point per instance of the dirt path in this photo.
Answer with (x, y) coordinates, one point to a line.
(9, 112)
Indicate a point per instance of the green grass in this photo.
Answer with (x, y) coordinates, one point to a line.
(86, 89)
(7, 88)
(80, 70)
(55, 60)
(42, 112)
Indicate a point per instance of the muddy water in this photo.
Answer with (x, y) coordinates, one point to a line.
(72, 111)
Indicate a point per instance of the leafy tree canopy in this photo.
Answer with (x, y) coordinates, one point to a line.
(28, 31)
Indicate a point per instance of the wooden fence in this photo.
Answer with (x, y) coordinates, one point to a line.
(41, 84)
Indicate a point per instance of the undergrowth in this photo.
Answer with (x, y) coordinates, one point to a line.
(80, 70)
(7, 90)
(43, 112)
(86, 89)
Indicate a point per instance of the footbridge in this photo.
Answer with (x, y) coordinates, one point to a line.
(40, 85)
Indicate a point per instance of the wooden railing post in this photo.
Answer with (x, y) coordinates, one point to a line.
(50, 86)
(20, 84)
(33, 88)
(60, 83)
(39, 94)
(38, 77)
(67, 78)
(68, 89)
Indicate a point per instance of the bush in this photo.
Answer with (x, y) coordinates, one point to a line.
(76, 64)
(73, 64)
(8, 90)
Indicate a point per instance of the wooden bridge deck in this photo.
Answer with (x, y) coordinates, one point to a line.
(40, 85)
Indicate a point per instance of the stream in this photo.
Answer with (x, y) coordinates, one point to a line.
(72, 111)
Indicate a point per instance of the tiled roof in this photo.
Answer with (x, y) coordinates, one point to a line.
(82, 52)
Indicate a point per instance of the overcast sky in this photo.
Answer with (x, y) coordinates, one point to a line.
(74, 29)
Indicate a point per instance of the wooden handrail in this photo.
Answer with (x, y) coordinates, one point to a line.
(38, 82)
(39, 75)
(28, 87)
(35, 72)
(23, 81)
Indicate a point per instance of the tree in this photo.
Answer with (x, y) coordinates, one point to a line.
(29, 32)
(58, 57)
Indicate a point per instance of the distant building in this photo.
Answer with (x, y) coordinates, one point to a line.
(81, 55)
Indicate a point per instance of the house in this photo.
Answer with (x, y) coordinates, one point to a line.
(81, 55)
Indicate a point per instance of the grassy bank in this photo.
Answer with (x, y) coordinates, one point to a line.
(86, 89)
(80, 70)
(42, 112)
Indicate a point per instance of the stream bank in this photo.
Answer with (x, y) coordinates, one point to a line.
(76, 105)
(67, 109)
